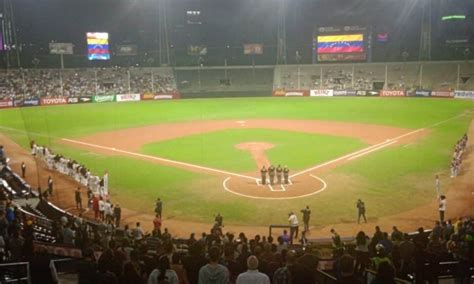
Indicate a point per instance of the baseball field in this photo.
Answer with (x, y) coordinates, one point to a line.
(203, 156)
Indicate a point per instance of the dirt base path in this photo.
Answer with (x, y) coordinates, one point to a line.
(132, 139)
(459, 195)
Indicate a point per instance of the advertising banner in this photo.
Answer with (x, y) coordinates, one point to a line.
(127, 50)
(18, 102)
(128, 98)
(31, 102)
(72, 100)
(321, 93)
(253, 49)
(103, 98)
(422, 93)
(83, 100)
(442, 94)
(148, 96)
(464, 95)
(279, 93)
(167, 96)
(6, 103)
(294, 94)
(344, 93)
(291, 93)
(392, 93)
(61, 48)
(367, 93)
(45, 101)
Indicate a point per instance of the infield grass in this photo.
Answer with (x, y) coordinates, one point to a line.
(217, 149)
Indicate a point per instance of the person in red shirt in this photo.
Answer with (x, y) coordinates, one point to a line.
(95, 206)
(157, 223)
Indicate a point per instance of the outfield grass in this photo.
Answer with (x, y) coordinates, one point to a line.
(398, 175)
(217, 149)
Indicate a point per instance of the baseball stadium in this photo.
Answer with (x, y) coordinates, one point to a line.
(237, 142)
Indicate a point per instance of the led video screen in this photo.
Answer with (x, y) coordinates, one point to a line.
(98, 46)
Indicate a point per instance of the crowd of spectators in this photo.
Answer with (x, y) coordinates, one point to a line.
(459, 150)
(30, 83)
(131, 255)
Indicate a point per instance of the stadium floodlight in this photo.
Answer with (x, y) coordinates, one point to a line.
(453, 17)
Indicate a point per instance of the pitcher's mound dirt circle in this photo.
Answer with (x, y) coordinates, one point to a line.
(301, 186)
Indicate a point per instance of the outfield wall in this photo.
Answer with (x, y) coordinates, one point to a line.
(61, 100)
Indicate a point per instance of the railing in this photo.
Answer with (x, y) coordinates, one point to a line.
(370, 275)
(325, 278)
(18, 272)
(64, 270)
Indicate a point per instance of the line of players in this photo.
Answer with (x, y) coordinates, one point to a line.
(271, 174)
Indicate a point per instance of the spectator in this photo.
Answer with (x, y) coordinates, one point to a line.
(133, 271)
(23, 170)
(87, 268)
(362, 252)
(95, 207)
(293, 220)
(292, 272)
(157, 223)
(194, 261)
(252, 276)
(336, 240)
(380, 257)
(16, 243)
(213, 272)
(78, 198)
(101, 209)
(117, 215)
(138, 232)
(346, 264)
(387, 244)
(50, 186)
(385, 274)
(396, 235)
(178, 267)
(442, 207)
(285, 237)
(68, 235)
(158, 207)
(407, 251)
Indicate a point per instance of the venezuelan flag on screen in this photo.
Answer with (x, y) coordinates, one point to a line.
(98, 46)
(341, 43)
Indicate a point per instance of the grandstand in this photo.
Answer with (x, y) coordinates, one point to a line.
(152, 142)
(363, 76)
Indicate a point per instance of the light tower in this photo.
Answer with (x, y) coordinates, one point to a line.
(281, 33)
(425, 31)
(10, 38)
(163, 42)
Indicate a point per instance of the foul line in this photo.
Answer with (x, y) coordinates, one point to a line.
(158, 159)
(375, 146)
(224, 184)
(388, 141)
(373, 150)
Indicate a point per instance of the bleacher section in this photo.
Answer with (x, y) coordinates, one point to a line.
(224, 80)
(374, 76)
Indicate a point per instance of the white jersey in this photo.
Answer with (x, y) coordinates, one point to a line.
(293, 220)
(442, 205)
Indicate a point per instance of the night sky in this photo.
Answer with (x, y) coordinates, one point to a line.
(225, 22)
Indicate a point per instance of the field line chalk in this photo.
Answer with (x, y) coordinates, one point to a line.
(158, 159)
(373, 150)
